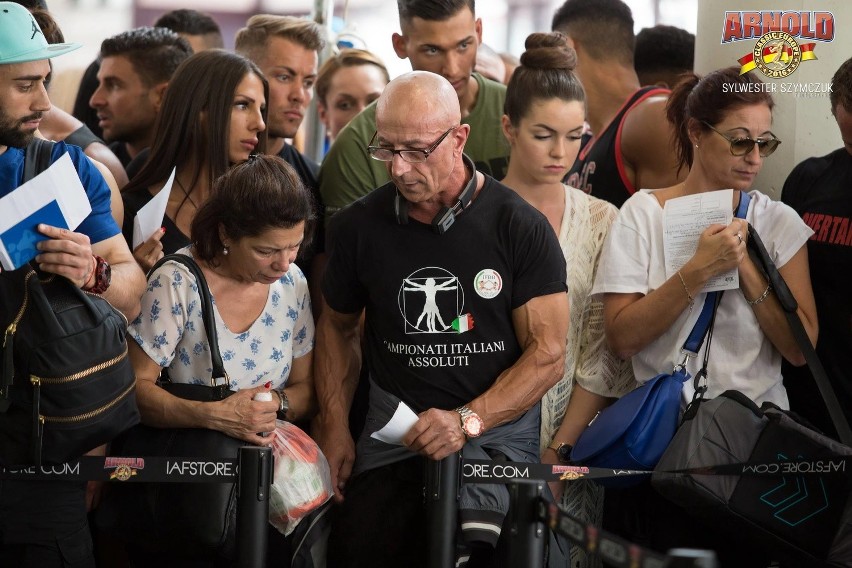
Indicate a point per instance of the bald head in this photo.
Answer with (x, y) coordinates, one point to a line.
(417, 97)
(418, 127)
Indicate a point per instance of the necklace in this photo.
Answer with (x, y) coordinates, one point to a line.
(186, 194)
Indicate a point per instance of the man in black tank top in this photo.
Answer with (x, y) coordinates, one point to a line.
(630, 147)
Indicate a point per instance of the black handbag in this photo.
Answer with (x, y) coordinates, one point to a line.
(66, 384)
(804, 516)
(186, 520)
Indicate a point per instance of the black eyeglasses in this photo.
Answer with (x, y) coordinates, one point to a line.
(413, 156)
(742, 146)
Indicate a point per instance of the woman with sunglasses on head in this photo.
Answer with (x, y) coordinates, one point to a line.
(213, 116)
(722, 126)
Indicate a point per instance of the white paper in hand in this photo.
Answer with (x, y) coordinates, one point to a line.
(55, 197)
(397, 427)
(150, 217)
(684, 219)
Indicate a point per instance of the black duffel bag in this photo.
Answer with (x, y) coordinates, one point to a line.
(791, 492)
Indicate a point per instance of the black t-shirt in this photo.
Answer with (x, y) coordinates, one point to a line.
(820, 190)
(308, 170)
(599, 167)
(172, 241)
(422, 291)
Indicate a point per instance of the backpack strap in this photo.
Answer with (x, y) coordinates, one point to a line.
(37, 157)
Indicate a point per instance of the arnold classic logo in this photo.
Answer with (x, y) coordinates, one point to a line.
(776, 53)
(124, 468)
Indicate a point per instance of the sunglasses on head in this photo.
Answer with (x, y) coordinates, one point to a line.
(742, 146)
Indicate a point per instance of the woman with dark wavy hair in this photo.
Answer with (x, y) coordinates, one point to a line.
(213, 116)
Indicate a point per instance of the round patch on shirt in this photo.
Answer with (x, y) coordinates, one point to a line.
(488, 283)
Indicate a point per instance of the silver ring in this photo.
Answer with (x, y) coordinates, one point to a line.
(740, 237)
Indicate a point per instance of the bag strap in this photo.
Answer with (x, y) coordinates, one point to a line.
(712, 299)
(206, 311)
(790, 307)
(37, 158)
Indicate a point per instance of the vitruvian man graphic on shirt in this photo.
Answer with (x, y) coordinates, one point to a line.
(429, 300)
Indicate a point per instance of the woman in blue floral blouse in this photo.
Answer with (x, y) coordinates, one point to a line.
(245, 238)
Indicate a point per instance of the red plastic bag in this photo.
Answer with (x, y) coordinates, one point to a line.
(301, 481)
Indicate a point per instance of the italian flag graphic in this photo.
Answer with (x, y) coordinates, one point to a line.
(463, 323)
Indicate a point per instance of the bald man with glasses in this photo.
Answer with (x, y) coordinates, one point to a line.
(466, 314)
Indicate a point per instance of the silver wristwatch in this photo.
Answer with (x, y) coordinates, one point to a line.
(471, 424)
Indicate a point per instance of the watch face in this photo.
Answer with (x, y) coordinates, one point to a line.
(473, 426)
(563, 453)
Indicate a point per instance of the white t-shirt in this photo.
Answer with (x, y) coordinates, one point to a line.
(741, 356)
(171, 331)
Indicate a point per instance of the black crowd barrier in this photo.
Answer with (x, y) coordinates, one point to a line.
(252, 471)
(442, 491)
(530, 514)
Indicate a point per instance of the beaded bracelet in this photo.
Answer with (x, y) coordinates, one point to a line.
(762, 296)
(685, 288)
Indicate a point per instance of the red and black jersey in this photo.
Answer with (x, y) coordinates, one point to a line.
(599, 167)
(820, 190)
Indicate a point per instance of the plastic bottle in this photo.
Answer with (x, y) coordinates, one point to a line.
(264, 396)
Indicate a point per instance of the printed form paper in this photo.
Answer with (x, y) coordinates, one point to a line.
(684, 219)
(397, 427)
(150, 217)
(54, 197)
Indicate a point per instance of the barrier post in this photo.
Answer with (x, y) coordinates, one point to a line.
(527, 534)
(255, 477)
(442, 488)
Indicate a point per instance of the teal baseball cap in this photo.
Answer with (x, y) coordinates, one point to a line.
(21, 39)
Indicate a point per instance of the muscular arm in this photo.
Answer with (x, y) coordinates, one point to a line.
(646, 144)
(541, 326)
(337, 360)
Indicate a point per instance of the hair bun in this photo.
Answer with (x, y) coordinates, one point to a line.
(549, 51)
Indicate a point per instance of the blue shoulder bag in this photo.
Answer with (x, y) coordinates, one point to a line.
(635, 430)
